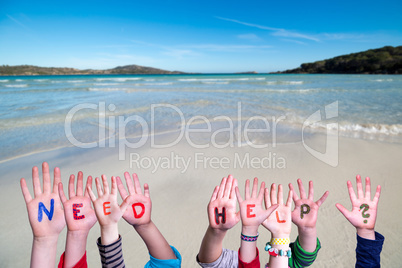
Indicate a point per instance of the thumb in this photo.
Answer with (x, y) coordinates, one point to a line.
(269, 211)
(343, 210)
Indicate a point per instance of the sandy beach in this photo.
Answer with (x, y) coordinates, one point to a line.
(180, 197)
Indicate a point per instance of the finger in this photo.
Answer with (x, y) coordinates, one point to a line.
(261, 192)
(368, 189)
(343, 210)
(89, 183)
(71, 192)
(222, 188)
(114, 186)
(46, 178)
(137, 184)
(266, 198)
(239, 199)
(129, 183)
(228, 187)
(352, 194)
(377, 195)
(146, 190)
(301, 189)
(36, 182)
(124, 205)
(98, 187)
(232, 191)
(280, 194)
(269, 211)
(122, 189)
(61, 194)
(274, 198)
(311, 191)
(214, 194)
(289, 201)
(247, 190)
(56, 179)
(80, 183)
(322, 199)
(255, 188)
(359, 187)
(295, 196)
(89, 190)
(106, 189)
(25, 191)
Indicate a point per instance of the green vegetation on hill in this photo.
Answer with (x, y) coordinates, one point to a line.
(35, 70)
(386, 60)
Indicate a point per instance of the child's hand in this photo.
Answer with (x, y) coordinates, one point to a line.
(305, 212)
(45, 212)
(251, 209)
(139, 212)
(78, 211)
(364, 211)
(278, 223)
(222, 213)
(106, 207)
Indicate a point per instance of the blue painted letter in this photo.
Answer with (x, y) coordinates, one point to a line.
(48, 213)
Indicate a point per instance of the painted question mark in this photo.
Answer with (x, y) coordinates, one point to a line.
(365, 207)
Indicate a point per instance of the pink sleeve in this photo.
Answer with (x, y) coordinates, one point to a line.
(80, 264)
(253, 264)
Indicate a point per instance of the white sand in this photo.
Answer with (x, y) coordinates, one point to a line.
(180, 199)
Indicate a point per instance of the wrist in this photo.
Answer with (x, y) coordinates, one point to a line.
(144, 226)
(307, 231)
(217, 231)
(280, 235)
(249, 230)
(46, 240)
(109, 233)
(366, 233)
(78, 234)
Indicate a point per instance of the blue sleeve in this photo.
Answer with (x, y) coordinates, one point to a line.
(368, 251)
(172, 263)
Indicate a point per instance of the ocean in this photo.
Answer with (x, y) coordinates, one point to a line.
(40, 113)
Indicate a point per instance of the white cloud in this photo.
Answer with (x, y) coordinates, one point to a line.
(276, 31)
(250, 37)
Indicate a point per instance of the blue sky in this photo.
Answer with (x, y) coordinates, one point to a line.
(192, 36)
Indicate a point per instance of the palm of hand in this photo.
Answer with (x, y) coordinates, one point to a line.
(251, 212)
(107, 210)
(279, 222)
(305, 216)
(230, 214)
(360, 217)
(46, 227)
(85, 211)
(139, 210)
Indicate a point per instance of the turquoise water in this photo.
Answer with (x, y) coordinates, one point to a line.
(34, 109)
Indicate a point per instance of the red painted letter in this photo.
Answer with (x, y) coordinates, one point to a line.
(142, 210)
(249, 210)
(76, 211)
(106, 207)
(277, 218)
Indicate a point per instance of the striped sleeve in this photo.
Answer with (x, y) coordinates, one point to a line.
(301, 258)
(111, 255)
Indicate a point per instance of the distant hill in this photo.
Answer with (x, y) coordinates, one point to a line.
(36, 70)
(386, 60)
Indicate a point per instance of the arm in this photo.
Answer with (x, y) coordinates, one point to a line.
(80, 218)
(305, 214)
(363, 217)
(252, 215)
(46, 216)
(139, 216)
(222, 216)
(108, 213)
(279, 224)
